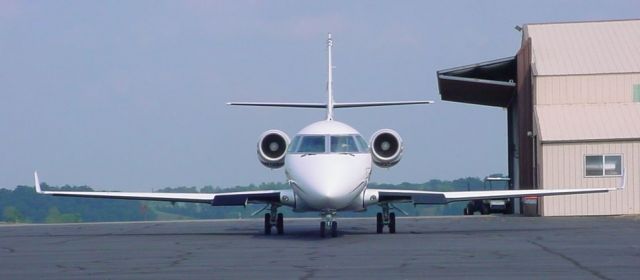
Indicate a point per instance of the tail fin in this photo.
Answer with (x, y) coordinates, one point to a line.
(329, 80)
(331, 104)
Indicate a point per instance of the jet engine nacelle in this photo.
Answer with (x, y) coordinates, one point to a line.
(386, 147)
(272, 147)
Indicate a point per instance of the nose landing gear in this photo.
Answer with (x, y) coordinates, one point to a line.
(385, 219)
(329, 224)
(274, 219)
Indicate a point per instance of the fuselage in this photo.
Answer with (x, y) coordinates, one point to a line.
(328, 165)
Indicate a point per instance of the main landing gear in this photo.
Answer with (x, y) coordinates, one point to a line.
(329, 224)
(477, 205)
(274, 219)
(385, 219)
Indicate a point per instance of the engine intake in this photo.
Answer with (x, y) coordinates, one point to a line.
(272, 147)
(386, 148)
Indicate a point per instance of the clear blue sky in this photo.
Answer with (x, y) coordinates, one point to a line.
(130, 95)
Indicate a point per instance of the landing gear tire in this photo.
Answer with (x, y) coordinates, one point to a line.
(280, 224)
(267, 224)
(323, 228)
(379, 223)
(334, 229)
(392, 222)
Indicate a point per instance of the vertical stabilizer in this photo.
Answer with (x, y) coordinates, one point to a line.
(331, 104)
(329, 80)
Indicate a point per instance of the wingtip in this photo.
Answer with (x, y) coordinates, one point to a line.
(37, 182)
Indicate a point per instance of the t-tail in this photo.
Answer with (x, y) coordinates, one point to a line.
(329, 79)
(331, 104)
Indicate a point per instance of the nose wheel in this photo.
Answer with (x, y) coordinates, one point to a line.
(329, 225)
(273, 219)
(385, 218)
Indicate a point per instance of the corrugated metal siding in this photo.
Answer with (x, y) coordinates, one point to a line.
(585, 47)
(588, 122)
(613, 88)
(524, 118)
(583, 89)
(564, 168)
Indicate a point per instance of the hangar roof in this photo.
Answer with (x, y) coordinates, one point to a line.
(581, 48)
(588, 122)
(488, 83)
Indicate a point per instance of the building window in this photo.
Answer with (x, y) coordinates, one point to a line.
(602, 165)
(636, 93)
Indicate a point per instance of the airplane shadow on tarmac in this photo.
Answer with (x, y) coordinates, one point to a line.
(300, 232)
(311, 234)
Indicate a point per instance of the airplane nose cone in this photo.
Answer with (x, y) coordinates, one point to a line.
(331, 190)
(334, 194)
(328, 181)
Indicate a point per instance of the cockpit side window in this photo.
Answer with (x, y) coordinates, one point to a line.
(293, 147)
(364, 147)
(311, 144)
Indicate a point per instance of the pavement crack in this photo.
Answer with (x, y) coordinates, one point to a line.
(569, 259)
(65, 268)
(10, 250)
(180, 258)
(309, 272)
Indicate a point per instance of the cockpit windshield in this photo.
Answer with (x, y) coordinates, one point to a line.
(343, 144)
(312, 144)
(317, 144)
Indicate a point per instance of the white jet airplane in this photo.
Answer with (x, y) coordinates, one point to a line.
(328, 166)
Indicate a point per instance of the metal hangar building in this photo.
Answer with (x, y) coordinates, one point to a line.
(572, 94)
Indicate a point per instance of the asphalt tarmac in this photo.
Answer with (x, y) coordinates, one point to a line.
(478, 247)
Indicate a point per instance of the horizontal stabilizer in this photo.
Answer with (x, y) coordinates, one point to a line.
(277, 104)
(376, 104)
(324, 105)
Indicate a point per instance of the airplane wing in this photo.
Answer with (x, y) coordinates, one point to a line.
(429, 197)
(215, 199)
